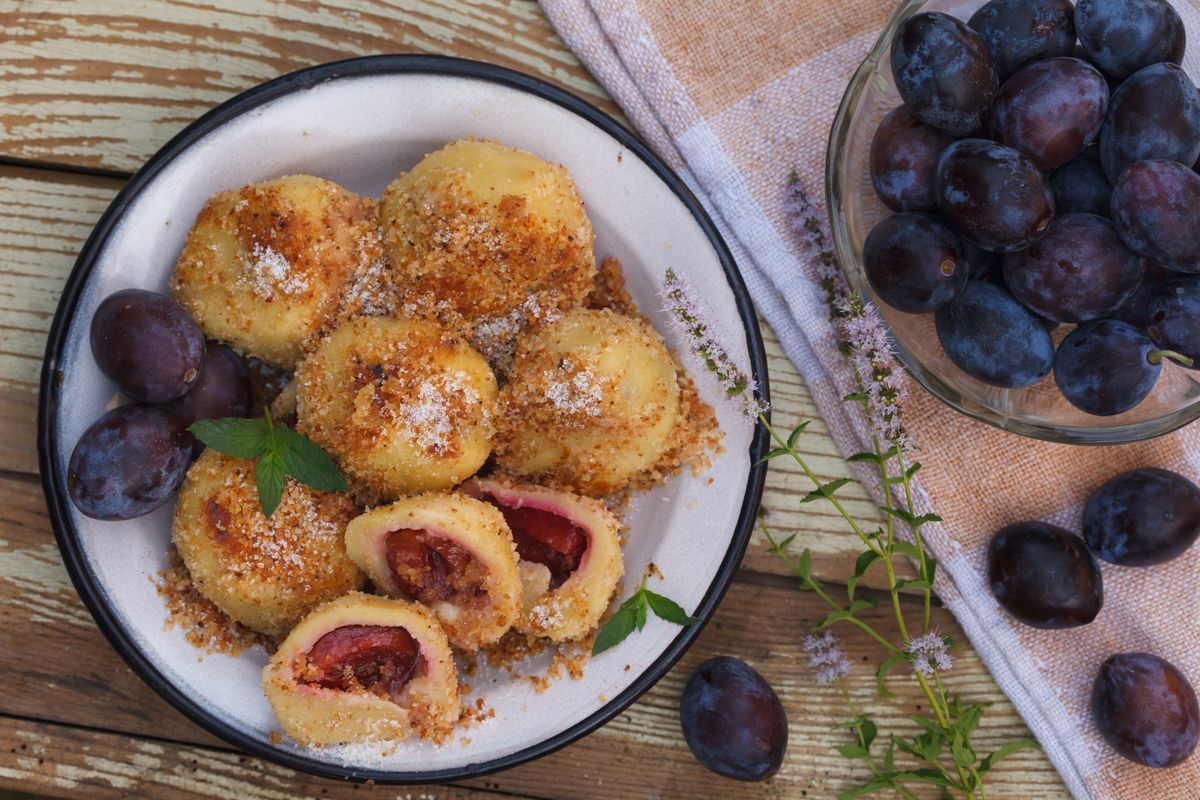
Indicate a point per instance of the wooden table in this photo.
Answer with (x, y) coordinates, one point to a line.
(88, 90)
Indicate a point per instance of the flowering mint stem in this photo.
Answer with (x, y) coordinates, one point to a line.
(821, 593)
(862, 742)
(791, 451)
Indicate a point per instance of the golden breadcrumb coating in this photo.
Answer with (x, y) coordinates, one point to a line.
(572, 610)
(488, 239)
(264, 573)
(400, 404)
(311, 714)
(267, 265)
(482, 592)
(591, 402)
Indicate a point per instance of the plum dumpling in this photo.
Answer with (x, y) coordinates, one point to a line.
(363, 667)
(264, 573)
(569, 550)
(402, 405)
(488, 237)
(452, 553)
(591, 402)
(265, 266)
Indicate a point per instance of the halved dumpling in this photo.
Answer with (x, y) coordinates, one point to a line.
(363, 667)
(449, 551)
(570, 555)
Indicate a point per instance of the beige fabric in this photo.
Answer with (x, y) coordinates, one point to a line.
(735, 96)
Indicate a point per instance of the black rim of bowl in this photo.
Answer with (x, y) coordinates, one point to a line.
(52, 471)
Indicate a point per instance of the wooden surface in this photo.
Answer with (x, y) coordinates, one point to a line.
(88, 90)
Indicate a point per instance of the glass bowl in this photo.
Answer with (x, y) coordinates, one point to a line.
(1039, 411)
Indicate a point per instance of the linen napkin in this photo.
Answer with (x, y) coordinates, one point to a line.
(735, 96)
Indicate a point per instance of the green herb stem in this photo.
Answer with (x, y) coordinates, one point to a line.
(866, 540)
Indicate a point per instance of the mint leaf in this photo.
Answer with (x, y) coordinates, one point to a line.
(1006, 751)
(270, 477)
(668, 609)
(240, 438)
(632, 616)
(615, 631)
(305, 461)
(639, 609)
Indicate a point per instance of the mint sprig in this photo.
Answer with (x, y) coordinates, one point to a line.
(632, 616)
(280, 452)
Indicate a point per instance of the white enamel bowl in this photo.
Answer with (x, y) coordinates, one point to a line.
(360, 123)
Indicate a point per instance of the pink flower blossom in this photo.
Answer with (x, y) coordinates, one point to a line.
(691, 318)
(928, 655)
(862, 332)
(825, 655)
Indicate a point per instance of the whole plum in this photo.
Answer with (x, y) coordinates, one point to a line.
(222, 390)
(1136, 308)
(128, 462)
(904, 159)
(147, 344)
(1079, 271)
(1153, 114)
(913, 262)
(1021, 31)
(1123, 36)
(1174, 317)
(993, 195)
(944, 72)
(733, 721)
(1106, 367)
(1156, 208)
(1051, 110)
(1081, 187)
(1143, 517)
(992, 337)
(1044, 575)
(1146, 710)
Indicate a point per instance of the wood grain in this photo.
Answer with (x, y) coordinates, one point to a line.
(103, 83)
(74, 762)
(52, 650)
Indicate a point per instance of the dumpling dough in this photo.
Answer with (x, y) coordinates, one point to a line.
(591, 402)
(364, 668)
(400, 404)
(570, 555)
(487, 238)
(264, 573)
(266, 266)
(452, 553)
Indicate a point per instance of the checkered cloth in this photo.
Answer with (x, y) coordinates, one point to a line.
(735, 96)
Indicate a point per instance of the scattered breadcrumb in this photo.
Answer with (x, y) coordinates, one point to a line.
(205, 626)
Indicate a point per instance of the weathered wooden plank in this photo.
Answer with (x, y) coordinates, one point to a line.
(103, 83)
(48, 217)
(60, 669)
(73, 762)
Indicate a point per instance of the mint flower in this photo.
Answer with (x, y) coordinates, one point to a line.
(927, 654)
(825, 655)
(690, 317)
(864, 337)
(812, 228)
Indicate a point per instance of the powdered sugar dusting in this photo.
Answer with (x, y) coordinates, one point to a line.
(269, 274)
(495, 337)
(582, 393)
(428, 419)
